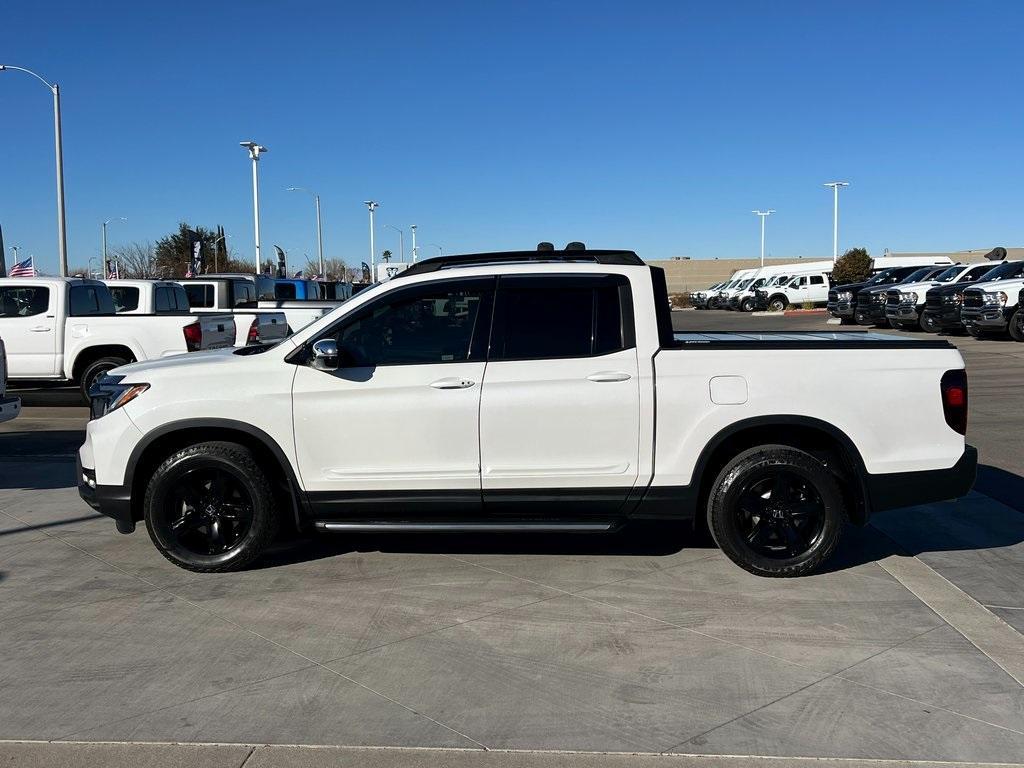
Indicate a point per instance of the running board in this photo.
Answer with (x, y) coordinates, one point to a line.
(464, 527)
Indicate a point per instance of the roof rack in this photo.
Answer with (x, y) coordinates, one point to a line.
(622, 258)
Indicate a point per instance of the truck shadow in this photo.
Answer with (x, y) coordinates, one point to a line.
(23, 467)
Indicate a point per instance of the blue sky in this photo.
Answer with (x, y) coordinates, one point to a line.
(653, 126)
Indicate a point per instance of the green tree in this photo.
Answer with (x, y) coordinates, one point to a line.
(173, 253)
(854, 266)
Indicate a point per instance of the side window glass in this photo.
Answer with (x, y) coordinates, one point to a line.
(180, 299)
(817, 280)
(125, 299)
(542, 318)
(88, 300)
(162, 302)
(23, 301)
(439, 323)
(199, 295)
(284, 291)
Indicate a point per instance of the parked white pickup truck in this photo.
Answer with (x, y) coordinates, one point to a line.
(254, 292)
(66, 330)
(10, 406)
(156, 297)
(528, 391)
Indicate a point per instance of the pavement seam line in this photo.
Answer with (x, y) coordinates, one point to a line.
(1009, 656)
(802, 688)
(767, 759)
(264, 638)
(252, 752)
(777, 658)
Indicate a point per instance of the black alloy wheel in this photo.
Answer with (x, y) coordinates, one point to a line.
(776, 510)
(780, 515)
(209, 507)
(209, 511)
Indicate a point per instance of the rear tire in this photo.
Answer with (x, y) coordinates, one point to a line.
(96, 369)
(748, 305)
(209, 507)
(776, 511)
(777, 303)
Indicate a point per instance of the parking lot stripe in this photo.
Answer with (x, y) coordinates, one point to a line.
(986, 631)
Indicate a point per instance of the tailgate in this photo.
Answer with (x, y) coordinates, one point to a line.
(259, 327)
(218, 331)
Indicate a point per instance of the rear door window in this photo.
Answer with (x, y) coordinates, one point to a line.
(126, 298)
(540, 318)
(199, 295)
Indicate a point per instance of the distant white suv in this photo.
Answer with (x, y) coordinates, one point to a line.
(528, 391)
(799, 290)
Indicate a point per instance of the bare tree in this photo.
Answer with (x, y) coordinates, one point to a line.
(334, 269)
(137, 260)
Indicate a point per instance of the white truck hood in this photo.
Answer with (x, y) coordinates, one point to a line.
(1010, 287)
(916, 287)
(179, 363)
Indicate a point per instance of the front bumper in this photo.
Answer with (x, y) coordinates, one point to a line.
(944, 318)
(907, 489)
(902, 313)
(871, 315)
(10, 407)
(110, 500)
(994, 318)
(844, 309)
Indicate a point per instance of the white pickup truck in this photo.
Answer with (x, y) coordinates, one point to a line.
(10, 406)
(254, 292)
(527, 391)
(62, 329)
(159, 297)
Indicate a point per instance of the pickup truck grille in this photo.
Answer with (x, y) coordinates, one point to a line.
(892, 298)
(972, 299)
(833, 296)
(933, 300)
(863, 299)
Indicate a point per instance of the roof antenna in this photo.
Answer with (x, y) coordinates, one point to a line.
(545, 246)
(576, 245)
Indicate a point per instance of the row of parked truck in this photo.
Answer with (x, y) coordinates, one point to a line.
(74, 330)
(933, 295)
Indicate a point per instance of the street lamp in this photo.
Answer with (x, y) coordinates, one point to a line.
(401, 241)
(372, 205)
(254, 153)
(216, 267)
(414, 251)
(835, 216)
(440, 250)
(764, 215)
(58, 144)
(319, 228)
(104, 227)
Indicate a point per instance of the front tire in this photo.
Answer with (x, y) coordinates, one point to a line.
(1016, 326)
(776, 511)
(209, 507)
(748, 305)
(777, 304)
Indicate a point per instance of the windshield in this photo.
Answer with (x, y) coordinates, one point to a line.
(949, 275)
(918, 275)
(1006, 271)
(758, 283)
(744, 284)
(880, 277)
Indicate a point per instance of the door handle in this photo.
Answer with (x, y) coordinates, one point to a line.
(39, 329)
(452, 382)
(603, 376)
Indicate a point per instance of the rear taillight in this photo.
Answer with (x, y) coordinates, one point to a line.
(193, 336)
(254, 332)
(954, 399)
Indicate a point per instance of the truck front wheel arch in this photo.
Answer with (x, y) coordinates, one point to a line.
(818, 438)
(96, 361)
(164, 442)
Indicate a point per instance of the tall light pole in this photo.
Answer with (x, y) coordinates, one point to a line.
(254, 153)
(401, 242)
(58, 145)
(104, 227)
(372, 205)
(764, 215)
(15, 248)
(319, 228)
(414, 252)
(835, 216)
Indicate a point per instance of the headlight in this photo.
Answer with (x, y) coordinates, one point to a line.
(998, 298)
(878, 298)
(908, 298)
(109, 394)
(844, 295)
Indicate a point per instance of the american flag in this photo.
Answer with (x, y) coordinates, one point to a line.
(23, 269)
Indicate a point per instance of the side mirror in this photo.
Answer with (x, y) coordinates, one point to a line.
(325, 355)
